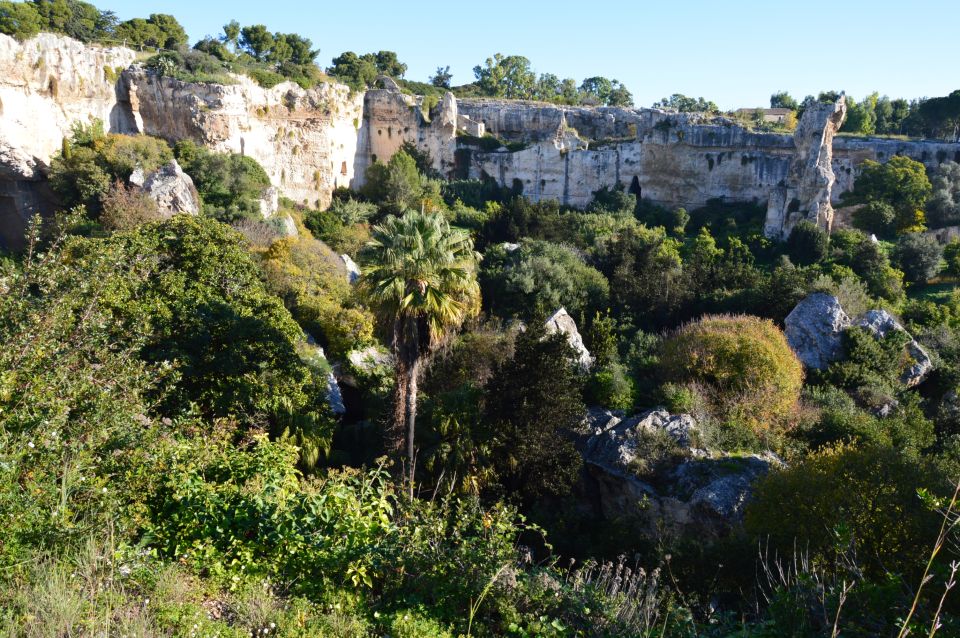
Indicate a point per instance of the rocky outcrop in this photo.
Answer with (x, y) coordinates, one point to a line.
(171, 188)
(312, 141)
(562, 322)
(880, 323)
(353, 270)
(334, 395)
(814, 329)
(392, 119)
(692, 492)
(806, 192)
(614, 443)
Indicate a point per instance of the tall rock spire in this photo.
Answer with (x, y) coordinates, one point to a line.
(805, 194)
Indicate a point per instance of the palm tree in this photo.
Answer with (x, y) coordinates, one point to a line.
(420, 279)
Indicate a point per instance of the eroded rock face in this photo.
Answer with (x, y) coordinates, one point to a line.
(613, 444)
(47, 84)
(312, 141)
(306, 140)
(700, 492)
(814, 329)
(172, 189)
(881, 323)
(806, 192)
(561, 321)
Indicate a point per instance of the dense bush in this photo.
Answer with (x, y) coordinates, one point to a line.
(845, 498)
(918, 256)
(92, 161)
(743, 364)
(943, 207)
(230, 185)
(540, 277)
(395, 186)
(534, 404)
(807, 244)
(901, 183)
(199, 305)
(312, 281)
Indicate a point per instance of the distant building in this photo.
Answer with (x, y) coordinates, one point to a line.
(774, 116)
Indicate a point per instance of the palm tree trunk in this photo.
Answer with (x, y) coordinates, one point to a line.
(407, 353)
(412, 420)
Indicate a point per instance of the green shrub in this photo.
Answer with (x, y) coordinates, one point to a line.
(918, 256)
(951, 254)
(902, 183)
(201, 307)
(540, 277)
(410, 623)
(876, 217)
(230, 185)
(807, 243)
(744, 365)
(864, 497)
(611, 387)
(265, 78)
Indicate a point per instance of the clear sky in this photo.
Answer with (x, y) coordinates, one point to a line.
(735, 53)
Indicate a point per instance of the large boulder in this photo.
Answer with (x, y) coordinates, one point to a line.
(814, 330)
(353, 270)
(691, 491)
(613, 444)
(721, 487)
(561, 321)
(171, 188)
(881, 323)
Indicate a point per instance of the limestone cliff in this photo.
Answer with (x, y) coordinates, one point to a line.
(47, 84)
(306, 140)
(313, 141)
(806, 192)
(669, 158)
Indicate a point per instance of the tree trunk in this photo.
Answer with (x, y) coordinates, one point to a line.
(407, 350)
(411, 421)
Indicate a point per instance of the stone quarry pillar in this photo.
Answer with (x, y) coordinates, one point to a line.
(805, 194)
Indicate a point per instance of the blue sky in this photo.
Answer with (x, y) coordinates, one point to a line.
(736, 52)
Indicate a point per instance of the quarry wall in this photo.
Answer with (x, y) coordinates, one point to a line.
(313, 141)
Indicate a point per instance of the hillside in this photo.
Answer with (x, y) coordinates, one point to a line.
(301, 353)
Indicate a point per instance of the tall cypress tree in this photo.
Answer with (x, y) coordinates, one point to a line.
(534, 401)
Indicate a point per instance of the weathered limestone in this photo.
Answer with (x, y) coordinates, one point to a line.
(47, 84)
(313, 141)
(881, 323)
(172, 189)
(306, 140)
(353, 270)
(392, 119)
(695, 492)
(814, 330)
(815, 327)
(806, 192)
(562, 322)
